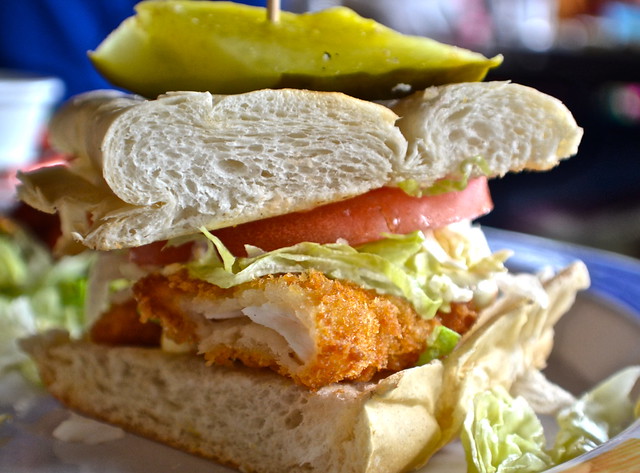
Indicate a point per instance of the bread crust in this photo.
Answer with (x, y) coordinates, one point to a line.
(258, 421)
(508, 127)
(250, 419)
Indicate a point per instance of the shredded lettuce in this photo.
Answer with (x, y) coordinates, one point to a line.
(338, 261)
(441, 342)
(429, 270)
(502, 434)
(20, 259)
(412, 266)
(37, 293)
(442, 186)
(597, 416)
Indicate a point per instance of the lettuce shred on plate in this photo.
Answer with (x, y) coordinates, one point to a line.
(502, 434)
(36, 293)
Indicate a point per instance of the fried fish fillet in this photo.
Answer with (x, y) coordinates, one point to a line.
(306, 326)
(121, 325)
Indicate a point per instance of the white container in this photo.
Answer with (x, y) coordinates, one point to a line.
(26, 102)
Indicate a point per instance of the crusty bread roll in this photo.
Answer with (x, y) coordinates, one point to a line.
(261, 422)
(250, 156)
(510, 126)
(272, 152)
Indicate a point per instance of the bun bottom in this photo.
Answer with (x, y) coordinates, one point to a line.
(253, 420)
(258, 421)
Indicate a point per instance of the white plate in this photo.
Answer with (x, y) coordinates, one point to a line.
(597, 337)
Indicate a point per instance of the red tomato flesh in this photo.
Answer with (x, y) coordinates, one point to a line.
(358, 220)
(158, 254)
(361, 219)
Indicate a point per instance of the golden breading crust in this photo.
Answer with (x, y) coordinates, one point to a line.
(356, 332)
(121, 325)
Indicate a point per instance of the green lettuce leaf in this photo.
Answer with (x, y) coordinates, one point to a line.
(502, 434)
(338, 261)
(411, 266)
(441, 342)
(597, 416)
(430, 271)
(37, 293)
(442, 186)
(20, 259)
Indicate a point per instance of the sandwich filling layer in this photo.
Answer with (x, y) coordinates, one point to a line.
(318, 314)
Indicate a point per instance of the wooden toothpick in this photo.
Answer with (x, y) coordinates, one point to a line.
(273, 10)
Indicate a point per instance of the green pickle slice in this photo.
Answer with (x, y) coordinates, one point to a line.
(229, 48)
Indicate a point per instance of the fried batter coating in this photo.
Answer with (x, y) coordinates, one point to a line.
(461, 317)
(121, 325)
(338, 330)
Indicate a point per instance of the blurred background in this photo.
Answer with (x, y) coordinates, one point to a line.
(584, 52)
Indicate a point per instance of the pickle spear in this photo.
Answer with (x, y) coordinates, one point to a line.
(228, 48)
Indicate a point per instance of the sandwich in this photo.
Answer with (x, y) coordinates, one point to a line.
(290, 279)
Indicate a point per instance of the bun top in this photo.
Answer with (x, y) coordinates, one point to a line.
(511, 127)
(148, 170)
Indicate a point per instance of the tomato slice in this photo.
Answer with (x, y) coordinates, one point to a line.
(361, 219)
(358, 220)
(158, 254)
